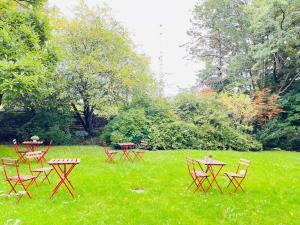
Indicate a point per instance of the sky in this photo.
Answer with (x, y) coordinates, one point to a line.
(143, 18)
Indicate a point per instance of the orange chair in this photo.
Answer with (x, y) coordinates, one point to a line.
(199, 177)
(17, 179)
(236, 178)
(45, 152)
(41, 169)
(20, 153)
(109, 153)
(141, 151)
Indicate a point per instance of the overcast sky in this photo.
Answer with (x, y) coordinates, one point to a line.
(142, 18)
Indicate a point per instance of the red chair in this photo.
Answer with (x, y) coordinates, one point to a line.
(41, 169)
(236, 178)
(109, 153)
(141, 151)
(199, 177)
(20, 153)
(45, 152)
(25, 181)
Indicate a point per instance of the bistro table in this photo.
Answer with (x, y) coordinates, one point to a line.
(63, 167)
(211, 164)
(126, 153)
(32, 145)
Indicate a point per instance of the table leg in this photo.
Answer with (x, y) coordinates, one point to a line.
(214, 177)
(62, 177)
(63, 171)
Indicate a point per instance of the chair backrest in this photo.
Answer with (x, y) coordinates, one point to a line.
(15, 144)
(105, 146)
(33, 155)
(144, 144)
(49, 146)
(243, 166)
(8, 162)
(191, 166)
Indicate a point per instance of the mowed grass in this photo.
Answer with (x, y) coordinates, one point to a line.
(104, 191)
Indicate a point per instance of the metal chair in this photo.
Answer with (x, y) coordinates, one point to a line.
(236, 178)
(20, 153)
(17, 179)
(199, 177)
(39, 170)
(109, 153)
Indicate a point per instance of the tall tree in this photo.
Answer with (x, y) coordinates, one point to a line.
(26, 60)
(101, 69)
(215, 37)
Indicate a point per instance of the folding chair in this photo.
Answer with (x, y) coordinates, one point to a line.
(140, 152)
(198, 176)
(45, 152)
(109, 153)
(18, 179)
(238, 177)
(41, 169)
(20, 153)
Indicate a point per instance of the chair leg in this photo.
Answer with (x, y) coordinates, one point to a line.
(239, 185)
(194, 181)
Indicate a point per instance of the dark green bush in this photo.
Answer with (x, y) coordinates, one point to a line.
(284, 132)
(155, 121)
(48, 126)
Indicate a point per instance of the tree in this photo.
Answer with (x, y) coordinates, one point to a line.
(100, 70)
(216, 36)
(27, 61)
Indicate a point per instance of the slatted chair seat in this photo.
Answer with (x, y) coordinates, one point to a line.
(200, 174)
(112, 152)
(44, 169)
(23, 151)
(231, 174)
(21, 178)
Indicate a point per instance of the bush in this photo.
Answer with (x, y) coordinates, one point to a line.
(284, 131)
(128, 126)
(198, 126)
(48, 126)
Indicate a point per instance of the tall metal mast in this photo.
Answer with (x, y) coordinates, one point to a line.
(161, 83)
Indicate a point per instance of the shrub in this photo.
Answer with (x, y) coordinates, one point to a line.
(198, 126)
(284, 131)
(48, 126)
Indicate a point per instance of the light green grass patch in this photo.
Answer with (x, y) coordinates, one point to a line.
(104, 191)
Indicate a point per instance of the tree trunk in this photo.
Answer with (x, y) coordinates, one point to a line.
(87, 119)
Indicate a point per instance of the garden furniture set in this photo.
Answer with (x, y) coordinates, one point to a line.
(31, 152)
(208, 171)
(128, 152)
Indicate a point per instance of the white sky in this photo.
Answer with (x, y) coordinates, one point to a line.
(142, 18)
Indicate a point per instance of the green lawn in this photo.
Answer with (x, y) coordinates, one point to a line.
(104, 191)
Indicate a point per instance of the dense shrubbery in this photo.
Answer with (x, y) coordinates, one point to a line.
(198, 121)
(284, 131)
(48, 126)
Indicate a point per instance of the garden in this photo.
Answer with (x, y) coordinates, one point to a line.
(88, 136)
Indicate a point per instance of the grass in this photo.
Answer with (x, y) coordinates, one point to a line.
(104, 191)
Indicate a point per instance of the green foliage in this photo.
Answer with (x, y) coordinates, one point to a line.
(128, 126)
(101, 70)
(246, 46)
(200, 123)
(26, 59)
(284, 131)
(48, 126)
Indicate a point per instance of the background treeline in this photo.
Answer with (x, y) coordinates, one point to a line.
(62, 73)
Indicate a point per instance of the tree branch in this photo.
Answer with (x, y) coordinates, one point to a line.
(287, 86)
